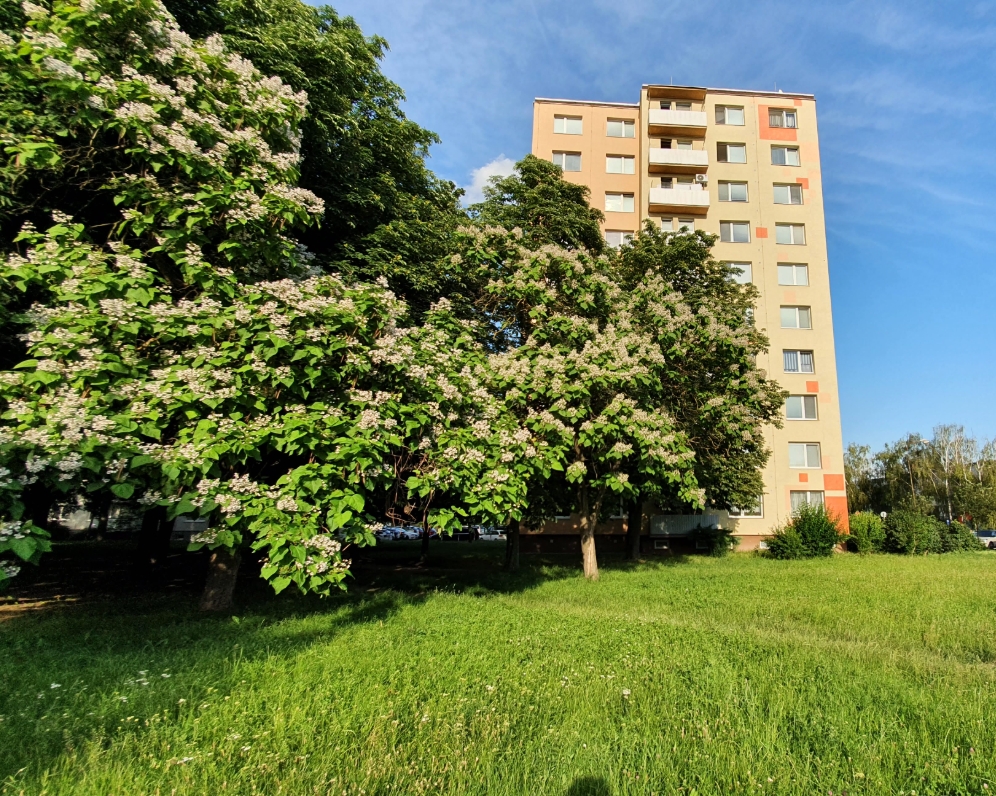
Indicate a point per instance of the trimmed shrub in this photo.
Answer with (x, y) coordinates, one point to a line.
(958, 538)
(812, 533)
(867, 533)
(912, 533)
(786, 543)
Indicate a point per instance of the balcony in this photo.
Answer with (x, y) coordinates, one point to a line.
(691, 123)
(691, 200)
(679, 161)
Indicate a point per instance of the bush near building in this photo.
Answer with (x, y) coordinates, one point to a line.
(867, 533)
(813, 532)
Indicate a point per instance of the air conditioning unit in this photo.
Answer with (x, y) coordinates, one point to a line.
(701, 178)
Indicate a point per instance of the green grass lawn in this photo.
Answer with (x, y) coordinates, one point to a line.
(699, 676)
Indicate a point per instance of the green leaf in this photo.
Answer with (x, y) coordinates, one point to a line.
(123, 491)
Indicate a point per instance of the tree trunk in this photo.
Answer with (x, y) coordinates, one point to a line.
(634, 524)
(38, 501)
(588, 521)
(425, 541)
(103, 512)
(512, 546)
(153, 539)
(223, 569)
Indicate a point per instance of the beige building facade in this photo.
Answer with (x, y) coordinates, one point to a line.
(744, 166)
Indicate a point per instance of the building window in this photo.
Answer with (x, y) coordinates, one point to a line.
(734, 231)
(618, 203)
(683, 226)
(790, 194)
(790, 233)
(620, 164)
(616, 238)
(793, 274)
(568, 161)
(781, 118)
(804, 455)
(667, 105)
(757, 510)
(731, 153)
(797, 361)
(785, 156)
(800, 499)
(569, 125)
(796, 318)
(733, 192)
(620, 128)
(800, 407)
(727, 114)
(682, 143)
(742, 273)
(683, 183)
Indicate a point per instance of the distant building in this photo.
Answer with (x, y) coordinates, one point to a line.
(745, 166)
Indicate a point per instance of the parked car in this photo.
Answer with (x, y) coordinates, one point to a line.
(405, 533)
(384, 535)
(492, 535)
(987, 537)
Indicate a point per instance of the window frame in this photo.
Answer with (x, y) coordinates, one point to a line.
(799, 308)
(726, 184)
(723, 148)
(785, 114)
(786, 149)
(809, 498)
(799, 352)
(623, 197)
(737, 513)
(796, 268)
(732, 237)
(804, 401)
(626, 236)
(792, 228)
(565, 119)
(790, 186)
(627, 124)
(746, 269)
(563, 166)
(807, 448)
(723, 110)
(624, 159)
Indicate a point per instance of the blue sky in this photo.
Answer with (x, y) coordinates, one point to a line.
(906, 96)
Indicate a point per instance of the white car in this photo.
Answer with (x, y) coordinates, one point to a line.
(492, 535)
(404, 533)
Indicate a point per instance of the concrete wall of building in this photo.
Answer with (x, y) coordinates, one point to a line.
(762, 251)
(594, 145)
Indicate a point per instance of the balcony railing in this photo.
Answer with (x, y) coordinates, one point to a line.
(679, 157)
(688, 121)
(689, 198)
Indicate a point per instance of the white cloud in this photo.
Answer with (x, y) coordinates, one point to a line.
(501, 166)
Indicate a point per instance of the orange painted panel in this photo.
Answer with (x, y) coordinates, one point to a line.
(773, 133)
(837, 506)
(803, 478)
(761, 232)
(834, 483)
(797, 102)
(804, 182)
(812, 386)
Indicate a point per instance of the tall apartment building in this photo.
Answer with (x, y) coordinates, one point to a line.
(744, 166)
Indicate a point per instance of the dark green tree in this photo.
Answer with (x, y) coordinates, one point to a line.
(537, 199)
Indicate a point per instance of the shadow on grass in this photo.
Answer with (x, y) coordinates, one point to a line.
(99, 622)
(589, 786)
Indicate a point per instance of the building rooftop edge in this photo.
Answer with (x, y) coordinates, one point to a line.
(734, 90)
(588, 102)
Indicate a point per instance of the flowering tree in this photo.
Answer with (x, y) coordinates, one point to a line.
(188, 356)
(601, 367)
